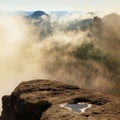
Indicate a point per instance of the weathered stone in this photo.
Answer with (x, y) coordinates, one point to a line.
(41, 100)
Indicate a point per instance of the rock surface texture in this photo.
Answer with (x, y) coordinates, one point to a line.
(41, 100)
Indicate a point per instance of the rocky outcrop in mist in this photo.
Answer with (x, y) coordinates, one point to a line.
(38, 14)
(41, 100)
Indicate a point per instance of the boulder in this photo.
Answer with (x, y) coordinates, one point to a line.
(42, 99)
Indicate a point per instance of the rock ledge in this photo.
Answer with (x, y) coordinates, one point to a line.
(41, 99)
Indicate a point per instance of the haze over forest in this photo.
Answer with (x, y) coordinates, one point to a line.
(80, 49)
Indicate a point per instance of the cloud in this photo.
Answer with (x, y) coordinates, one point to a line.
(60, 49)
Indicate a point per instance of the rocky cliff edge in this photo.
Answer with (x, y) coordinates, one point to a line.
(41, 100)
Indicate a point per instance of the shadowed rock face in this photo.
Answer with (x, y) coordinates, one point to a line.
(41, 100)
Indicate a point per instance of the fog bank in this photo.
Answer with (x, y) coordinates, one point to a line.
(75, 49)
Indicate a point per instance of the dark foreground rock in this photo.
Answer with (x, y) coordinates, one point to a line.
(41, 100)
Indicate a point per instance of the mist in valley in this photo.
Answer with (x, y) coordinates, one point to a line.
(76, 49)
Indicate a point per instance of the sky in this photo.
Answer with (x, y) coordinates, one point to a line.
(61, 5)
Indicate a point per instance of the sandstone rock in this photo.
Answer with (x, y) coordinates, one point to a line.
(41, 100)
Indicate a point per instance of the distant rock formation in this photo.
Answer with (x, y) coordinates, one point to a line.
(38, 14)
(41, 100)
